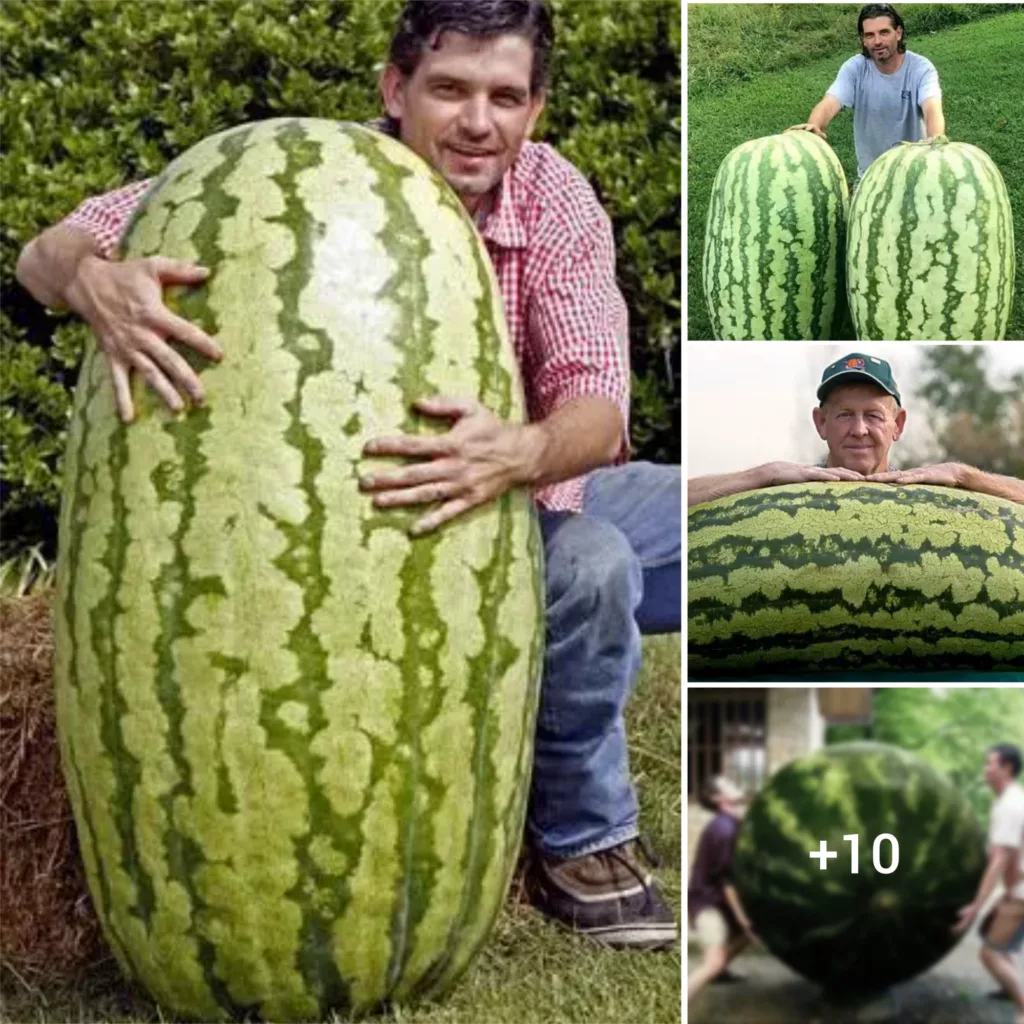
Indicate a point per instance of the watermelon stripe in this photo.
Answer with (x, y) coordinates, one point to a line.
(864, 931)
(78, 472)
(834, 577)
(930, 253)
(286, 843)
(773, 246)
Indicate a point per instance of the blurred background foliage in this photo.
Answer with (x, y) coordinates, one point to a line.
(99, 94)
(949, 727)
(973, 420)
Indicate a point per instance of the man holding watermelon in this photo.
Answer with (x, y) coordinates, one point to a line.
(894, 92)
(463, 87)
(719, 921)
(1002, 930)
(860, 416)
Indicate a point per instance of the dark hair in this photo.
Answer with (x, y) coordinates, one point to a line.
(881, 11)
(1008, 754)
(421, 23)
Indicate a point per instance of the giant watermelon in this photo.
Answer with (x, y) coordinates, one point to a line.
(930, 253)
(804, 579)
(297, 742)
(858, 932)
(774, 241)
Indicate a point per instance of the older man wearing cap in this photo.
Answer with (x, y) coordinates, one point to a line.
(860, 416)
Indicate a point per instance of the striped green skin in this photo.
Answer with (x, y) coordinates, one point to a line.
(930, 253)
(811, 578)
(858, 932)
(297, 742)
(773, 246)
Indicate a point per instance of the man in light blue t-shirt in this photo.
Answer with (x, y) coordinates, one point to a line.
(894, 92)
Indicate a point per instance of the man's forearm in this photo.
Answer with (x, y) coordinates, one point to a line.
(994, 871)
(821, 115)
(48, 264)
(992, 483)
(581, 435)
(732, 897)
(934, 124)
(708, 488)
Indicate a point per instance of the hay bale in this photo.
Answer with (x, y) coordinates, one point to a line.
(50, 931)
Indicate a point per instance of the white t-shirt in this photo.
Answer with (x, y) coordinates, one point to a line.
(1006, 828)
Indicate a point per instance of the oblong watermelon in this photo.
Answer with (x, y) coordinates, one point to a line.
(930, 254)
(841, 577)
(297, 742)
(858, 932)
(774, 241)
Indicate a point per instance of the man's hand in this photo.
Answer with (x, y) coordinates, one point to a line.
(964, 918)
(123, 303)
(476, 461)
(775, 473)
(808, 127)
(945, 474)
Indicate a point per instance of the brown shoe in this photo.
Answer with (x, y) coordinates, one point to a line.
(607, 896)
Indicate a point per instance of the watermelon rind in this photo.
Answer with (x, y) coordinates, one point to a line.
(858, 933)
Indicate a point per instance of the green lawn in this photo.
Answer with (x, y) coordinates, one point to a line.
(530, 972)
(757, 69)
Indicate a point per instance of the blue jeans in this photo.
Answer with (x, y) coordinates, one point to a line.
(612, 573)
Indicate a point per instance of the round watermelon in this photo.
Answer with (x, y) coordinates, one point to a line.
(297, 741)
(864, 931)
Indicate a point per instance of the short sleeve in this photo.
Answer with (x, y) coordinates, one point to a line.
(1008, 825)
(844, 88)
(929, 88)
(105, 216)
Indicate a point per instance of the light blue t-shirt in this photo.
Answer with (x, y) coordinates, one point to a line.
(886, 108)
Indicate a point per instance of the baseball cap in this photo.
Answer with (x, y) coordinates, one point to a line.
(856, 368)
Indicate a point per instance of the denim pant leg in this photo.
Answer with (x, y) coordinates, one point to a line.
(645, 501)
(582, 799)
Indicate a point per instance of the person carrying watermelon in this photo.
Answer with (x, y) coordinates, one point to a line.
(719, 922)
(1002, 929)
(894, 92)
(463, 86)
(860, 416)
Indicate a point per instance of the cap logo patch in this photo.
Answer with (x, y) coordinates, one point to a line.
(855, 364)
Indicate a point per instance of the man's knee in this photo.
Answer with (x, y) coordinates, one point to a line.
(592, 560)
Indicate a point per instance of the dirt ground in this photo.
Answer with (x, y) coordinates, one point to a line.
(954, 991)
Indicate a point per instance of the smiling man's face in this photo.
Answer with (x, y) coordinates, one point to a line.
(859, 422)
(880, 38)
(467, 109)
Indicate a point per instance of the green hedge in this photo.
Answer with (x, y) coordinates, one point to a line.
(98, 94)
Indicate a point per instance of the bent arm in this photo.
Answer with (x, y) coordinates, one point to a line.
(934, 119)
(993, 483)
(823, 113)
(581, 435)
(999, 859)
(49, 264)
(708, 488)
(732, 897)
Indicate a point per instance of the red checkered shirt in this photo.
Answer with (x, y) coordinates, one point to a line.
(553, 253)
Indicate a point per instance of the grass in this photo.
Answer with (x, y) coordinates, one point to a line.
(757, 69)
(530, 972)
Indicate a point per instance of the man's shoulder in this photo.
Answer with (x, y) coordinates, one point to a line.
(919, 63)
(855, 66)
(722, 826)
(1012, 798)
(549, 185)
